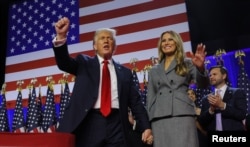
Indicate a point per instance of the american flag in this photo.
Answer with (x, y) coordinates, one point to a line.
(39, 107)
(65, 97)
(18, 124)
(136, 80)
(49, 115)
(33, 117)
(4, 123)
(200, 94)
(139, 24)
(243, 82)
(145, 90)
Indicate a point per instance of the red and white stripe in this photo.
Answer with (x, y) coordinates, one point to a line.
(20, 130)
(36, 130)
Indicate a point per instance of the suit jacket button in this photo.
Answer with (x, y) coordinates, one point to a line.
(160, 93)
(170, 91)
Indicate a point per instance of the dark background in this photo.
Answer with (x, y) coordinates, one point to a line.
(219, 24)
(3, 38)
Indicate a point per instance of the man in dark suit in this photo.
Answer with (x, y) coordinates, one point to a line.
(226, 107)
(83, 117)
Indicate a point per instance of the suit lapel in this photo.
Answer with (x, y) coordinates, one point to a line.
(171, 66)
(119, 75)
(228, 94)
(94, 70)
(163, 75)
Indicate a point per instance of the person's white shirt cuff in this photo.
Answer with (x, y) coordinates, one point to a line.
(58, 43)
(225, 104)
(134, 125)
(210, 111)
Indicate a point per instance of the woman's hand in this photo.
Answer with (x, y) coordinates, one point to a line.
(198, 58)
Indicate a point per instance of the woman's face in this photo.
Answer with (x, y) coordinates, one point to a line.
(168, 45)
(191, 95)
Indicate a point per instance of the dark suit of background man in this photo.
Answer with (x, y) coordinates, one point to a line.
(83, 117)
(231, 103)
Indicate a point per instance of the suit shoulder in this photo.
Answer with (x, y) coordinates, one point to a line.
(236, 89)
(122, 67)
(188, 61)
(84, 57)
(156, 66)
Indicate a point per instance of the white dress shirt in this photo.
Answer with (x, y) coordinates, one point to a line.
(114, 90)
(222, 93)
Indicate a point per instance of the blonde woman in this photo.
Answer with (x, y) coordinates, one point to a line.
(170, 110)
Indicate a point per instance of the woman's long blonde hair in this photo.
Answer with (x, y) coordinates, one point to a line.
(181, 67)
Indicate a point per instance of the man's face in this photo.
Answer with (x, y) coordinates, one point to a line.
(104, 44)
(217, 79)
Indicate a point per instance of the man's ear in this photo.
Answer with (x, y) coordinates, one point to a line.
(94, 46)
(225, 76)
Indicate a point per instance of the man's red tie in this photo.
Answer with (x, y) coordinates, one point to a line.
(106, 90)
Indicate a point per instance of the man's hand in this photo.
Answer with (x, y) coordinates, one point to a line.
(216, 101)
(62, 28)
(147, 136)
(131, 118)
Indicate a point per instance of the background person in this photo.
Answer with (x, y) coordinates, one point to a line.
(192, 95)
(231, 103)
(202, 134)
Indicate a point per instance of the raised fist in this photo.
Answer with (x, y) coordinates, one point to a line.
(62, 28)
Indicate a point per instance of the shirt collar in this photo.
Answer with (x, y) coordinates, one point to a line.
(223, 88)
(101, 60)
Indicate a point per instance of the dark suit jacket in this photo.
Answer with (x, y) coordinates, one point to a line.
(85, 91)
(232, 116)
